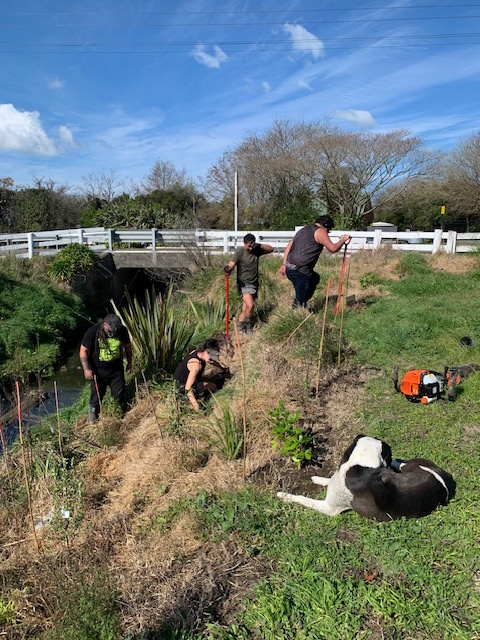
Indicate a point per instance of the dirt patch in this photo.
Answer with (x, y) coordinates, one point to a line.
(329, 417)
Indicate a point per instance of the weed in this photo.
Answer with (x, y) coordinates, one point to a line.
(86, 611)
(289, 438)
(7, 612)
(369, 279)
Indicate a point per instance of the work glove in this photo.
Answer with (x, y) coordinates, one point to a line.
(227, 270)
(256, 246)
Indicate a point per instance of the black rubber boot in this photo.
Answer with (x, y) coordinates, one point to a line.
(92, 414)
(249, 326)
(242, 327)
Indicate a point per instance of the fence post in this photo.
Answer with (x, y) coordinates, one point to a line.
(225, 242)
(110, 239)
(437, 240)
(80, 236)
(452, 242)
(30, 244)
(154, 240)
(377, 239)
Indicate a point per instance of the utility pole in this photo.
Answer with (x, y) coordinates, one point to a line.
(235, 207)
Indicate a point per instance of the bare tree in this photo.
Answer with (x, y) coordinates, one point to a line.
(163, 176)
(105, 185)
(346, 172)
(462, 178)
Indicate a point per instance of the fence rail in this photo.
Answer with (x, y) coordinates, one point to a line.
(100, 240)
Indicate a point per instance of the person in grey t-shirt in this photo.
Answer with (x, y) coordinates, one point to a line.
(246, 260)
(302, 253)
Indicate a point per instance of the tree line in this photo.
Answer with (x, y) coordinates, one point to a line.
(286, 176)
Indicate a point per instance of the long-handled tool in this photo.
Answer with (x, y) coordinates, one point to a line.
(340, 284)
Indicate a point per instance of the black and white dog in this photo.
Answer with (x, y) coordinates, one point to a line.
(373, 485)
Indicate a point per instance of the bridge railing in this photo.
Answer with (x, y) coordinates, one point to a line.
(99, 239)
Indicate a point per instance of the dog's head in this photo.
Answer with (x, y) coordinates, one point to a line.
(367, 452)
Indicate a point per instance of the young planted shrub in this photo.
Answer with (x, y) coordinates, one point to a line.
(224, 434)
(289, 437)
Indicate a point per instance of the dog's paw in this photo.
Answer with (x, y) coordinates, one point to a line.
(319, 480)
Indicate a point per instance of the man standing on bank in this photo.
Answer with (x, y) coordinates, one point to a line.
(246, 260)
(102, 351)
(302, 253)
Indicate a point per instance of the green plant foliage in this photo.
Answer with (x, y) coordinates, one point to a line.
(160, 335)
(369, 279)
(73, 260)
(224, 434)
(289, 438)
(36, 318)
(87, 610)
(7, 612)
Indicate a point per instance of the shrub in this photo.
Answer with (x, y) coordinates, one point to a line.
(224, 434)
(71, 261)
(291, 439)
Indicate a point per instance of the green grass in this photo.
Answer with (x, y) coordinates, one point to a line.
(349, 578)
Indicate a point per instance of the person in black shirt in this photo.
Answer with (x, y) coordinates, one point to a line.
(102, 351)
(302, 253)
(188, 374)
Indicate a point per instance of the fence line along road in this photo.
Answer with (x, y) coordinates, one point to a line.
(101, 240)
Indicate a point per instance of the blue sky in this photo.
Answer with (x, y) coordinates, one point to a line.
(114, 85)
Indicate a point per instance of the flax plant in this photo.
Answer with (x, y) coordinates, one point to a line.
(224, 434)
(160, 334)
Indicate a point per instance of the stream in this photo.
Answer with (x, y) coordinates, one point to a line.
(70, 383)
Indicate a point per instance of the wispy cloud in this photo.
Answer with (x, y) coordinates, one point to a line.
(212, 61)
(357, 116)
(266, 87)
(304, 41)
(56, 84)
(303, 84)
(23, 132)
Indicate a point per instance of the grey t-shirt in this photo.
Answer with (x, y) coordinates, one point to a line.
(305, 250)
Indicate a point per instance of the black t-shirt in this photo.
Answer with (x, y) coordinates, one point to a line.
(107, 356)
(182, 372)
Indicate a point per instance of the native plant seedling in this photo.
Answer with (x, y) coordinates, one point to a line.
(289, 438)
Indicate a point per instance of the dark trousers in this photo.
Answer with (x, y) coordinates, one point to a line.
(304, 285)
(116, 382)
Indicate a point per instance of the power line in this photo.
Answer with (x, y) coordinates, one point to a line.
(235, 12)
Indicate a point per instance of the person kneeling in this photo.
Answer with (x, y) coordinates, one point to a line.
(188, 375)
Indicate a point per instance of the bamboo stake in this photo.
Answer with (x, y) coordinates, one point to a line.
(151, 402)
(27, 486)
(243, 401)
(58, 420)
(320, 351)
(296, 329)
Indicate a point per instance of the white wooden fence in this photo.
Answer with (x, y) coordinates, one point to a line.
(100, 240)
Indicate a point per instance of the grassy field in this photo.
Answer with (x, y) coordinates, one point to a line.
(170, 539)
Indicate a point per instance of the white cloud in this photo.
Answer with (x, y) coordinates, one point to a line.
(212, 61)
(266, 87)
(303, 40)
(22, 132)
(303, 84)
(357, 116)
(56, 84)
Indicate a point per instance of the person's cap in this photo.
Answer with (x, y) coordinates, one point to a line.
(114, 323)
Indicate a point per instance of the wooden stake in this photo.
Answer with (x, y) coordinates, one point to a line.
(58, 420)
(341, 318)
(27, 486)
(320, 351)
(243, 401)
